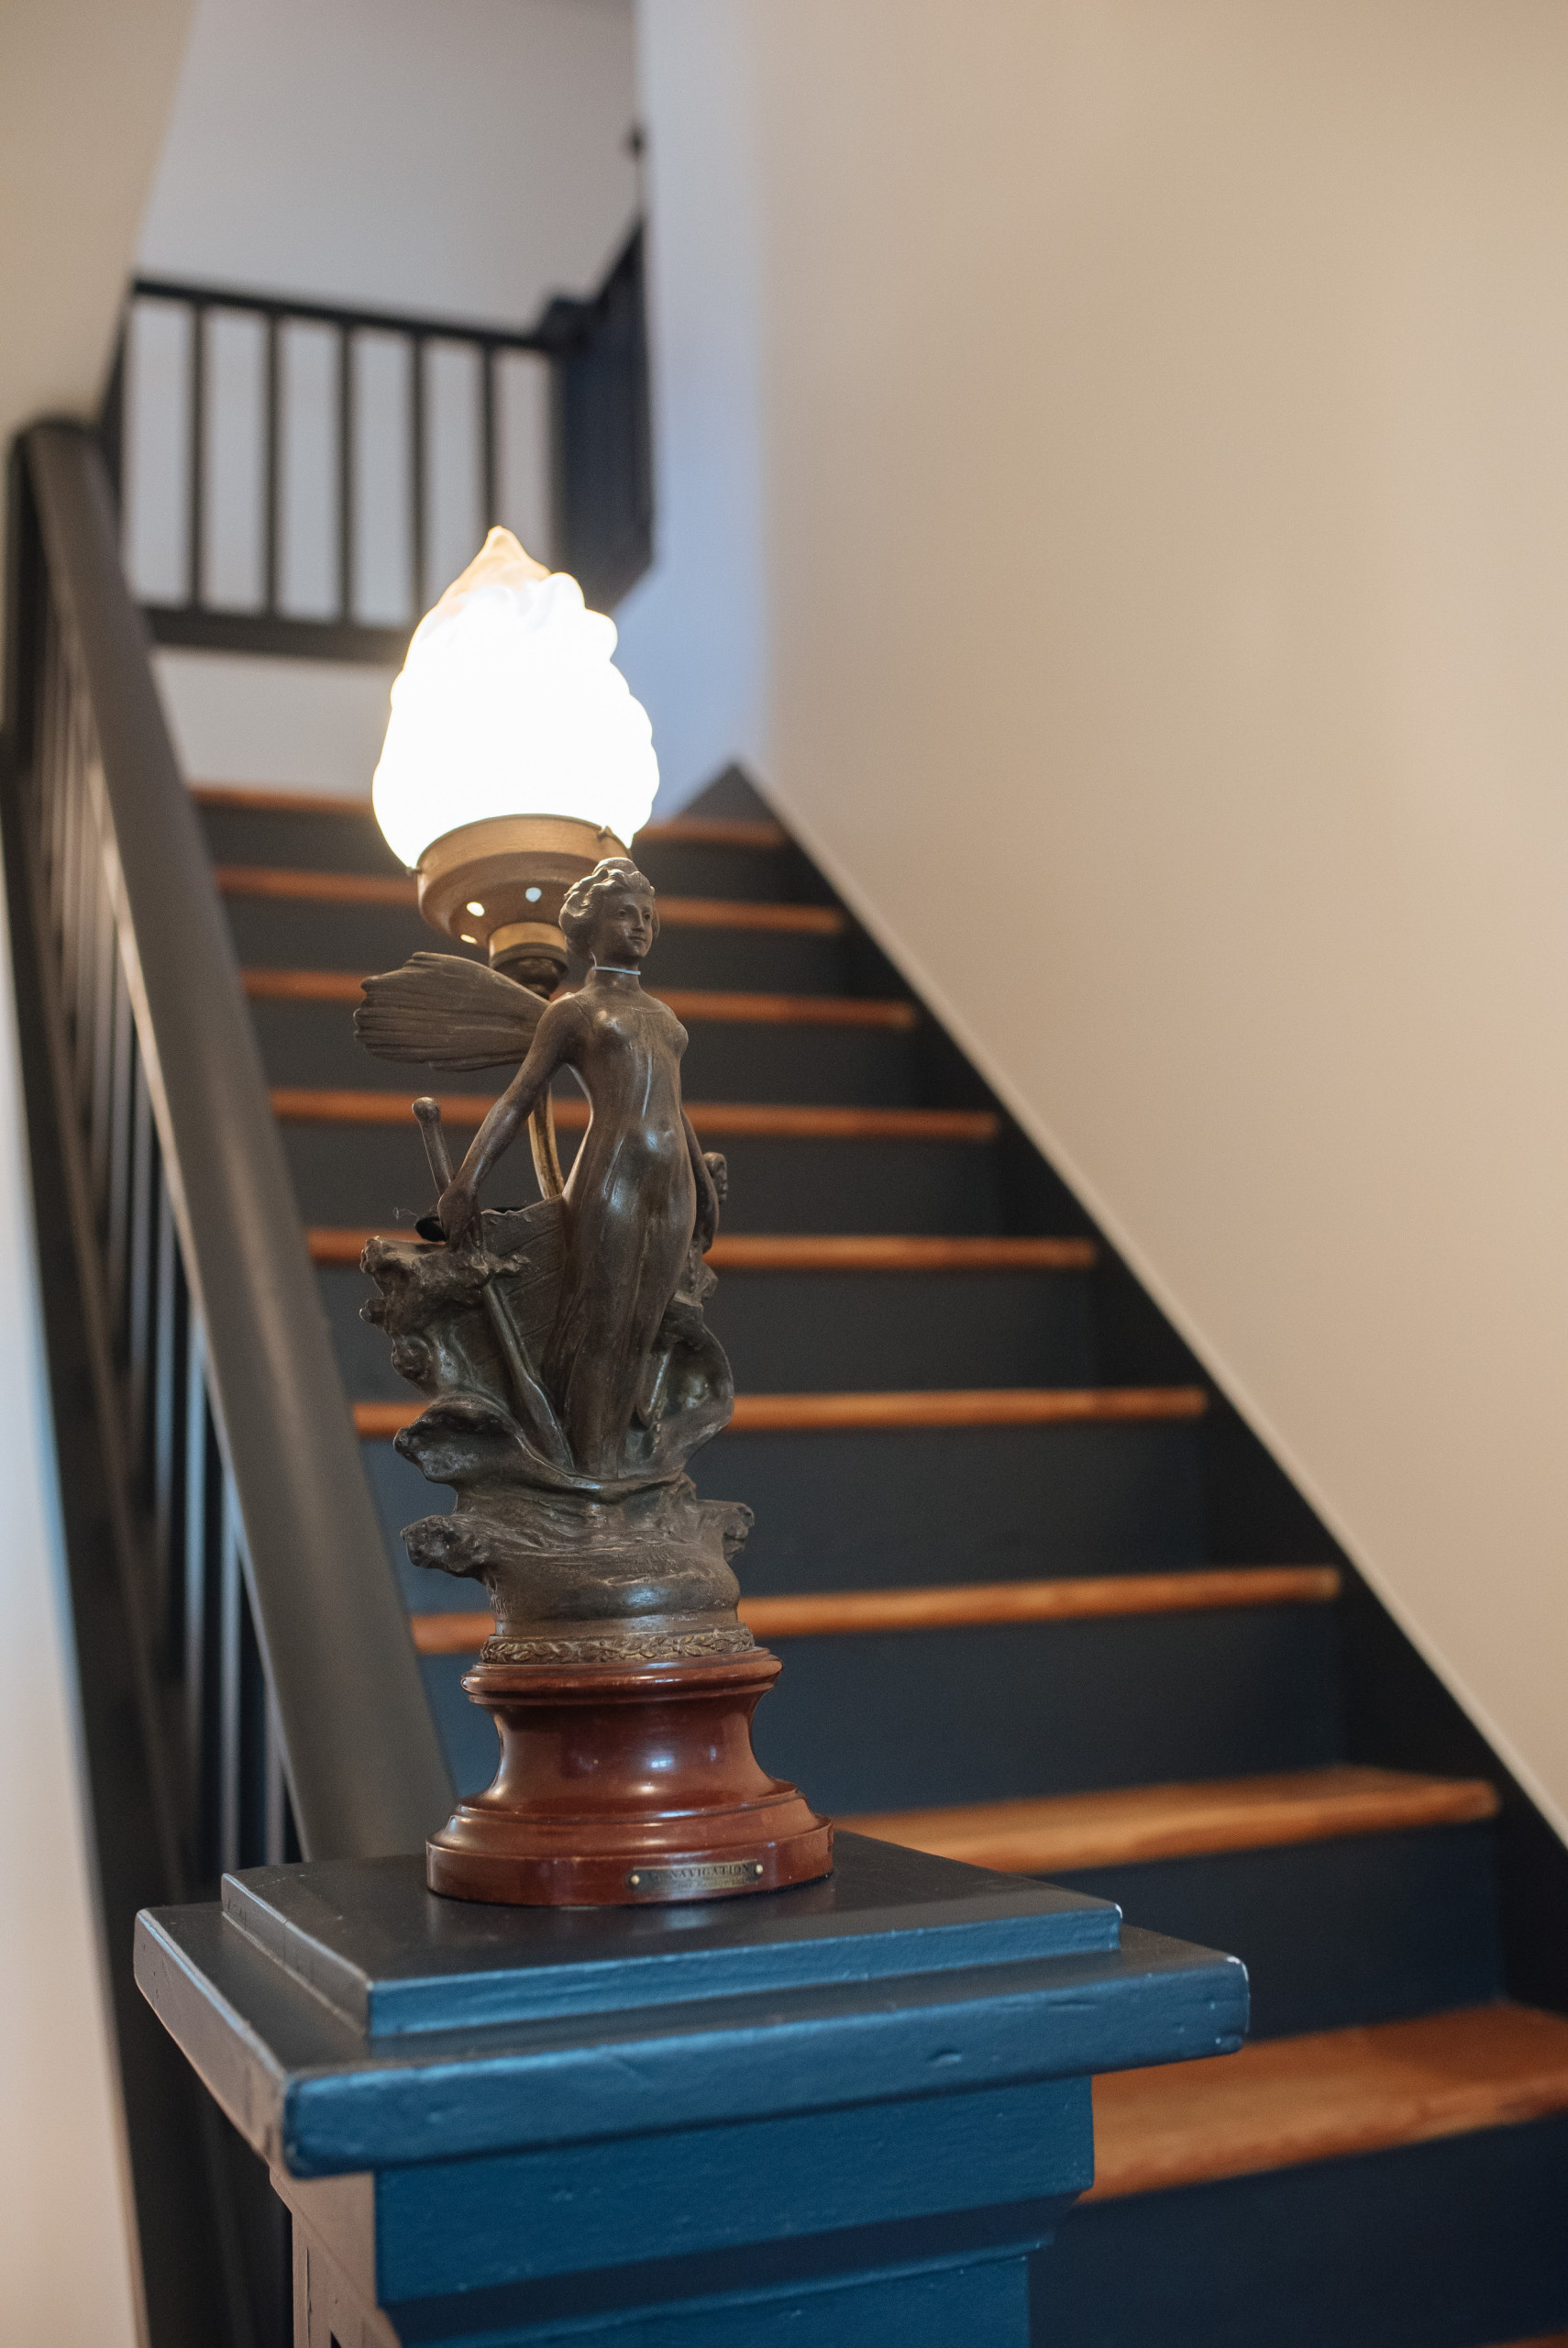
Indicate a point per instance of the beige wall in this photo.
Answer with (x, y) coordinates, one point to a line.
(1163, 465)
(85, 87)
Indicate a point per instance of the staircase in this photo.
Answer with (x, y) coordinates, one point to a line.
(1043, 1602)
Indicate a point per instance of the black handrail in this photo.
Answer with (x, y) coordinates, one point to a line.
(248, 1687)
(600, 456)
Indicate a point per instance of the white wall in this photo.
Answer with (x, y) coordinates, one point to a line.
(1160, 474)
(693, 631)
(85, 93)
(461, 158)
(457, 157)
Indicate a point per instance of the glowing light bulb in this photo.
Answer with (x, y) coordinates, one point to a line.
(509, 704)
(474, 908)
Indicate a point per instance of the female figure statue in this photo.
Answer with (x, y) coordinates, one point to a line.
(638, 1191)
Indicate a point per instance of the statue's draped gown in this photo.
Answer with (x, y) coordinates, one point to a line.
(631, 1204)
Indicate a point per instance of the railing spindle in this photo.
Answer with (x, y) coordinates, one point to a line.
(487, 435)
(345, 474)
(196, 517)
(142, 1307)
(272, 487)
(121, 1113)
(231, 1597)
(163, 1449)
(100, 1111)
(417, 519)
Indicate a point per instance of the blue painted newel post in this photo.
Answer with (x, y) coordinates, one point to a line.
(841, 2116)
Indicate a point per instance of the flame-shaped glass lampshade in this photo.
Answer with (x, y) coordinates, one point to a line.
(515, 757)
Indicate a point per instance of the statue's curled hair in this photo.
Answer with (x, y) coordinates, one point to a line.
(581, 903)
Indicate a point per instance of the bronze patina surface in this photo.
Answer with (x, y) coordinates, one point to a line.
(572, 1376)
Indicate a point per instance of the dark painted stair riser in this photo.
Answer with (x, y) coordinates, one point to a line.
(888, 1507)
(1450, 2244)
(887, 1330)
(272, 933)
(852, 1068)
(1367, 1928)
(369, 1174)
(924, 1717)
(352, 843)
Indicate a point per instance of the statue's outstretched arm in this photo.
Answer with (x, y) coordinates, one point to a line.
(551, 1048)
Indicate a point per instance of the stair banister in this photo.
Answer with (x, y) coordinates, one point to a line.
(359, 1751)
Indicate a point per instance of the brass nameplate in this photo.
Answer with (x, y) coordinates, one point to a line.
(696, 1879)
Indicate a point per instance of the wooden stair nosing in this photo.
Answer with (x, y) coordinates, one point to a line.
(1282, 2102)
(290, 884)
(693, 831)
(967, 1605)
(791, 1252)
(766, 1120)
(982, 1406)
(734, 1008)
(1051, 1834)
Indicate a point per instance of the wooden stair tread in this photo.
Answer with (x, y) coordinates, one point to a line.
(292, 885)
(1330, 2096)
(766, 1120)
(791, 1252)
(692, 831)
(687, 1002)
(965, 1605)
(1050, 1835)
(982, 1406)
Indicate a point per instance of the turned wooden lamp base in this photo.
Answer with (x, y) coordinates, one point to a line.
(622, 1784)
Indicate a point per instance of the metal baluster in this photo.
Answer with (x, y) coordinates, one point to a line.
(140, 1317)
(487, 430)
(275, 1819)
(58, 785)
(253, 1739)
(344, 474)
(89, 957)
(270, 489)
(416, 475)
(121, 1113)
(71, 818)
(198, 1581)
(51, 806)
(106, 970)
(159, 1460)
(196, 518)
(231, 1587)
(82, 935)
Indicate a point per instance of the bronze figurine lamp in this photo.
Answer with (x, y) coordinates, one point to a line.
(568, 1371)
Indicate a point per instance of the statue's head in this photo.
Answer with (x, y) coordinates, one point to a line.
(610, 914)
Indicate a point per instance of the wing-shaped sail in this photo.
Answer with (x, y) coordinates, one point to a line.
(444, 1012)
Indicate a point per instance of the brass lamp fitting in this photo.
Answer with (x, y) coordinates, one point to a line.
(500, 885)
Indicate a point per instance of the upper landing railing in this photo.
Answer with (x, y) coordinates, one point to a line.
(298, 477)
